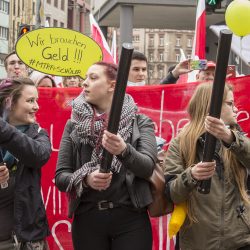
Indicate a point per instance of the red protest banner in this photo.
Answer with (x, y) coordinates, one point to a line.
(164, 104)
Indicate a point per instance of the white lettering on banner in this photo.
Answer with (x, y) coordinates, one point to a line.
(51, 139)
(56, 199)
(180, 125)
(53, 231)
(239, 119)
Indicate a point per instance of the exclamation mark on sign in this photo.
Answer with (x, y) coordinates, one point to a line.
(75, 55)
(80, 55)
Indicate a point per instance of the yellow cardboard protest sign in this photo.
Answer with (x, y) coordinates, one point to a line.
(58, 51)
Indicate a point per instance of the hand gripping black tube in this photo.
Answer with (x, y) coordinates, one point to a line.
(216, 100)
(117, 102)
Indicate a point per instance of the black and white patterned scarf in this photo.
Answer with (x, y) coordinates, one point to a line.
(89, 127)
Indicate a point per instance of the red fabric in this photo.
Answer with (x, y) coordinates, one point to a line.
(107, 57)
(200, 42)
(183, 78)
(165, 104)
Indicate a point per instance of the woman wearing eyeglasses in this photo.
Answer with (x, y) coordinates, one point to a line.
(24, 149)
(220, 219)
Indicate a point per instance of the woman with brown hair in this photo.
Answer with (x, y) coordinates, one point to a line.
(220, 219)
(110, 209)
(24, 149)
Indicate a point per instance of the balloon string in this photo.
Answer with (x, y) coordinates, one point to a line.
(241, 54)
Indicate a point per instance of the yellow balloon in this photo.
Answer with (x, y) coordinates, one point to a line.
(238, 17)
(177, 219)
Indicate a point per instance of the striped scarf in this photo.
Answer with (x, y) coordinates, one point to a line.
(90, 127)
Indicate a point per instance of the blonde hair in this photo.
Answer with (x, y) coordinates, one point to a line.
(198, 109)
(65, 78)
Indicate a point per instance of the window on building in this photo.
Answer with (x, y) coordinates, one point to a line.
(56, 3)
(23, 5)
(151, 74)
(189, 56)
(61, 24)
(55, 23)
(160, 74)
(4, 6)
(189, 42)
(4, 32)
(14, 30)
(14, 9)
(1, 61)
(33, 8)
(48, 19)
(161, 57)
(136, 38)
(62, 4)
(151, 41)
(18, 8)
(177, 57)
(151, 57)
(178, 41)
(161, 41)
(49, 1)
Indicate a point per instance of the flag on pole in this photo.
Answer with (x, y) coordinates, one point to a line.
(114, 48)
(199, 43)
(98, 36)
(200, 31)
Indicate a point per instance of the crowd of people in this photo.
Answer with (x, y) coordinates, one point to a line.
(109, 209)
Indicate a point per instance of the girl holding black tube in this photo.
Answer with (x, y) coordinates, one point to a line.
(221, 218)
(110, 209)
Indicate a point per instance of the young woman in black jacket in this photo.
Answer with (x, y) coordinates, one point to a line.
(24, 149)
(110, 209)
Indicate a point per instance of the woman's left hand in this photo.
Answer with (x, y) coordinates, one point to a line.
(114, 144)
(217, 128)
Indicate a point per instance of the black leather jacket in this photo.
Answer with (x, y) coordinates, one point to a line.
(139, 162)
(32, 150)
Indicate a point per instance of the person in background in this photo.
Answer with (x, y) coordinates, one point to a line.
(72, 82)
(42, 80)
(110, 209)
(14, 66)
(221, 218)
(138, 72)
(24, 149)
(183, 68)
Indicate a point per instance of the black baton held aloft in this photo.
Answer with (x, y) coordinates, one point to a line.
(117, 102)
(216, 100)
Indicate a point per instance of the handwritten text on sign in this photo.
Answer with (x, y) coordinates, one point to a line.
(58, 51)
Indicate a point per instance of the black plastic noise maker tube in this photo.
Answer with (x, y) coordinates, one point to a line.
(216, 100)
(117, 102)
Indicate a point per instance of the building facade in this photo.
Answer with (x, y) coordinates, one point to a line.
(56, 13)
(35, 13)
(78, 15)
(161, 47)
(21, 12)
(4, 33)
